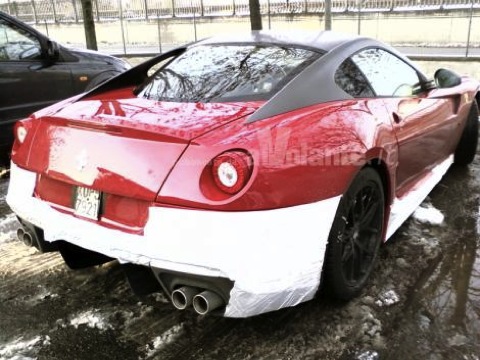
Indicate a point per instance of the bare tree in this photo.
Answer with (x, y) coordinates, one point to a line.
(89, 24)
(255, 16)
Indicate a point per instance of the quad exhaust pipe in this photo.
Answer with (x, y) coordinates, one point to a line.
(31, 235)
(203, 302)
(183, 297)
(24, 236)
(206, 302)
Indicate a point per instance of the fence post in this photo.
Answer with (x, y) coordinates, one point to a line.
(194, 21)
(120, 11)
(469, 29)
(15, 7)
(46, 26)
(54, 12)
(173, 8)
(269, 15)
(159, 33)
(359, 24)
(97, 10)
(34, 12)
(146, 9)
(74, 4)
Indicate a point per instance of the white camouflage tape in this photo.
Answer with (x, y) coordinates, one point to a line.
(275, 257)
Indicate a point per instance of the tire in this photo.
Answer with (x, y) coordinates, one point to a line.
(355, 236)
(467, 146)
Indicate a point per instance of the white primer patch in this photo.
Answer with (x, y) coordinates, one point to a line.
(402, 208)
(275, 257)
(429, 214)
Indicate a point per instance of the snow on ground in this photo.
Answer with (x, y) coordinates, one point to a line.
(428, 214)
(8, 228)
(167, 337)
(18, 348)
(43, 294)
(91, 318)
(388, 298)
(368, 355)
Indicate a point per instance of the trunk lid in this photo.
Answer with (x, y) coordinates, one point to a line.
(125, 147)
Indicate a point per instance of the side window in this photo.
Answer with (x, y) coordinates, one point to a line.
(387, 74)
(16, 44)
(351, 80)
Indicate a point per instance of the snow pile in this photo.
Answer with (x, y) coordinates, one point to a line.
(42, 295)
(19, 348)
(167, 337)
(368, 355)
(428, 214)
(457, 340)
(388, 298)
(8, 228)
(92, 319)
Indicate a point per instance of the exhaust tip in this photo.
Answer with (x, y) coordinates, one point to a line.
(183, 297)
(24, 236)
(206, 302)
(20, 233)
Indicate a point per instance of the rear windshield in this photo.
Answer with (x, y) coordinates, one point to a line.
(219, 73)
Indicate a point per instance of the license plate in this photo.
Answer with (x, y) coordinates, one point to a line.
(87, 203)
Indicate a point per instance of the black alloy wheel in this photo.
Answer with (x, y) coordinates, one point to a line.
(355, 236)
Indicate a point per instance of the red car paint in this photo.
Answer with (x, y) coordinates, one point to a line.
(141, 151)
(139, 148)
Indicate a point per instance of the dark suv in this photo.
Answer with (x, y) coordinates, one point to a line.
(36, 72)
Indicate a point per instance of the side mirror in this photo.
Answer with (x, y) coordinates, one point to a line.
(445, 78)
(53, 52)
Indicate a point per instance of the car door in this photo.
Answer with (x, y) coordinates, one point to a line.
(27, 81)
(422, 125)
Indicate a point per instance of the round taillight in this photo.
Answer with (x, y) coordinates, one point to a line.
(21, 133)
(231, 171)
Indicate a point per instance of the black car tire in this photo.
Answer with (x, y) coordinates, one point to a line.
(467, 146)
(355, 236)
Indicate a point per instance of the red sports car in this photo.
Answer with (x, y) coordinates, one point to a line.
(240, 175)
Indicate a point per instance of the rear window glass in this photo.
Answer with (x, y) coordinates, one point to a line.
(219, 73)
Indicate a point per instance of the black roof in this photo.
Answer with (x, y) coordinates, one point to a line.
(321, 40)
(314, 85)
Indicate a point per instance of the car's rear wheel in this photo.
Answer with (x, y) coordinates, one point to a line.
(355, 236)
(467, 146)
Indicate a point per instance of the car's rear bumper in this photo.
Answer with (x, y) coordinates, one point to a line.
(274, 257)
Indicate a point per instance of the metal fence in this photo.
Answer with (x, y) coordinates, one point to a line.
(60, 11)
(148, 26)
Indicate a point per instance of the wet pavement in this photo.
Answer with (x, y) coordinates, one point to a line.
(423, 302)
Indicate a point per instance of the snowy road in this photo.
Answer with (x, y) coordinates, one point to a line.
(423, 302)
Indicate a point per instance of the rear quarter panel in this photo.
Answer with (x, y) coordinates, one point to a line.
(299, 157)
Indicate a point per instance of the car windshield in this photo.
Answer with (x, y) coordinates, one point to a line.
(219, 73)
